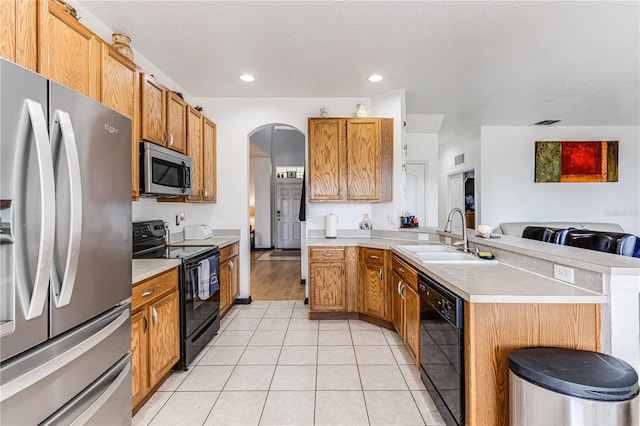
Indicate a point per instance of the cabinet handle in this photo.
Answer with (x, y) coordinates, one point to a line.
(206, 192)
(403, 291)
(164, 137)
(380, 273)
(399, 291)
(171, 139)
(374, 256)
(401, 270)
(327, 254)
(154, 315)
(231, 265)
(146, 324)
(148, 292)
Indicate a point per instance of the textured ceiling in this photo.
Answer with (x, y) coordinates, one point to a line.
(491, 63)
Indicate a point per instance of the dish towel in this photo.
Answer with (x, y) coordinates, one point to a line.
(214, 284)
(191, 286)
(204, 279)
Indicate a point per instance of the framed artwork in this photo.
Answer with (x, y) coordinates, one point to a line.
(579, 161)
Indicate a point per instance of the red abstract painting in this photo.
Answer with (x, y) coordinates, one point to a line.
(582, 158)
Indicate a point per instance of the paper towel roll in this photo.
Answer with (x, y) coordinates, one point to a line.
(330, 226)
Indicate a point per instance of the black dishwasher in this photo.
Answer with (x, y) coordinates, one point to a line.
(442, 348)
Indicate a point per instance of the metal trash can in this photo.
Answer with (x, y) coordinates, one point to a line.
(557, 386)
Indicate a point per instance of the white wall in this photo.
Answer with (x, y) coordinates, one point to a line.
(469, 144)
(262, 170)
(509, 193)
(391, 105)
(423, 147)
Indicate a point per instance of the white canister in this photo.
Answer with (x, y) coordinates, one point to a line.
(330, 226)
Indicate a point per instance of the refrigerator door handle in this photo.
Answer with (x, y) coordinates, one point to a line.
(12, 387)
(63, 282)
(47, 214)
(86, 416)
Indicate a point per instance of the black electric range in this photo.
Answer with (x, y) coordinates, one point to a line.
(199, 311)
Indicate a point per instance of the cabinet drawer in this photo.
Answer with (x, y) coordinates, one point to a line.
(373, 256)
(154, 288)
(228, 251)
(326, 254)
(406, 272)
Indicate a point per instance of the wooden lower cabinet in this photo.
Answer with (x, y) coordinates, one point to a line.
(333, 281)
(140, 352)
(155, 333)
(373, 284)
(229, 277)
(412, 322)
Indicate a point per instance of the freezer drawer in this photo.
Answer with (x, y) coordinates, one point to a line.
(37, 384)
(106, 402)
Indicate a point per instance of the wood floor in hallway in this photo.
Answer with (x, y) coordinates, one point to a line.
(275, 279)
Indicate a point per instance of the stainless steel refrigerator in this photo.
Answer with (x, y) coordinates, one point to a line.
(65, 255)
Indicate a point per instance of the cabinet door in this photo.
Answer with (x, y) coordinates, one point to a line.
(412, 322)
(234, 282)
(139, 352)
(327, 159)
(152, 110)
(225, 284)
(209, 161)
(363, 159)
(119, 90)
(176, 122)
(328, 287)
(68, 52)
(373, 290)
(18, 39)
(395, 289)
(164, 336)
(194, 150)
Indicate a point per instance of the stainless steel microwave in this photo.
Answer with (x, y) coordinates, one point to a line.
(163, 172)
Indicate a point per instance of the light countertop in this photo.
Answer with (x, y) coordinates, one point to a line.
(490, 282)
(147, 268)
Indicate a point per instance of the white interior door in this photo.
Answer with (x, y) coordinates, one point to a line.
(287, 209)
(456, 199)
(416, 191)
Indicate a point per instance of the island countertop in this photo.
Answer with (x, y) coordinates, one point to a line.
(490, 282)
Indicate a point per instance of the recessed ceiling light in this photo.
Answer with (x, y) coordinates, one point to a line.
(247, 77)
(375, 78)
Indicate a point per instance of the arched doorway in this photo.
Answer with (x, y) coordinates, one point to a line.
(277, 161)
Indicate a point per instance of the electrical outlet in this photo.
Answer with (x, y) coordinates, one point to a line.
(392, 219)
(563, 273)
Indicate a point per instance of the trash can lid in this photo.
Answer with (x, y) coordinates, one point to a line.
(584, 374)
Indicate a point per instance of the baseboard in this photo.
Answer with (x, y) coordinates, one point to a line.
(243, 301)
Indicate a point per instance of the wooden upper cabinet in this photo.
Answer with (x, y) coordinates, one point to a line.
(18, 38)
(209, 158)
(194, 150)
(363, 159)
(120, 91)
(327, 159)
(119, 83)
(69, 53)
(350, 159)
(152, 110)
(176, 122)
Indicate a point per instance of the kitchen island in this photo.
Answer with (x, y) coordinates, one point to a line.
(512, 303)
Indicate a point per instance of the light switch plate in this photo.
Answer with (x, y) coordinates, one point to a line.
(563, 273)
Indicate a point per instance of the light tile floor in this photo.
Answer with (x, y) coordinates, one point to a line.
(270, 365)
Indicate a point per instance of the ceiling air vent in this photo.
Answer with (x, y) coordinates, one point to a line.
(546, 122)
(458, 159)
